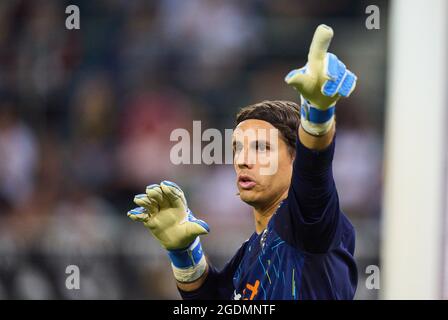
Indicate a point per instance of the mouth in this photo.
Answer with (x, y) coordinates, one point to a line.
(245, 182)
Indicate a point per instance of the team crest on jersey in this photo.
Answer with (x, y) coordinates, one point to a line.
(236, 296)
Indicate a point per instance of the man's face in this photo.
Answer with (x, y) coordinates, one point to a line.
(262, 162)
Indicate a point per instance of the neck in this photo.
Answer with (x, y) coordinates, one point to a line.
(263, 214)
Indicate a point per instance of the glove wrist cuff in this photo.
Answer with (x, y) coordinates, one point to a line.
(188, 264)
(315, 114)
(315, 121)
(190, 274)
(188, 257)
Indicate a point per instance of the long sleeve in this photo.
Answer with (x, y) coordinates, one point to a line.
(310, 216)
(219, 284)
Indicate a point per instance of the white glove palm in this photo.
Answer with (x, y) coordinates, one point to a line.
(164, 211)
(321, 83)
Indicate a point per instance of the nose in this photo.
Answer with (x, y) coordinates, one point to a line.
(242, 160)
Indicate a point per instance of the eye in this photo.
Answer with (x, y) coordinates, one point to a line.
(237, 147)
(262, 146)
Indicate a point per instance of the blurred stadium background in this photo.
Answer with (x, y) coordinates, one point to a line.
(85, 119)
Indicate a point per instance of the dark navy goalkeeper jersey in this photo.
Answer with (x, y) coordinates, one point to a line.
(306, 251)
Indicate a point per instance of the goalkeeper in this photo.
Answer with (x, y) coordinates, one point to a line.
(303, 245)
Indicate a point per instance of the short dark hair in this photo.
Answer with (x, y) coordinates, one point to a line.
(283, 115)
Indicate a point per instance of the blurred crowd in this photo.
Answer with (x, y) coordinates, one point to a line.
(86, 116)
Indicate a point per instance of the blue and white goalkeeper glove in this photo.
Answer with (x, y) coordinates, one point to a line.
(321, 82)
(164, 211)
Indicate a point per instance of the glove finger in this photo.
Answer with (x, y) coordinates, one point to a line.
(294, 72)
(138, 214)
(174, 193)
(348, 84)
(298, 79)
(331, 87)
(331, 66)
(155, 194)
(319, 46)
(142, 200)
(196, 226)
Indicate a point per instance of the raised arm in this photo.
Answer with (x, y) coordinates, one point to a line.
(310, 217)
